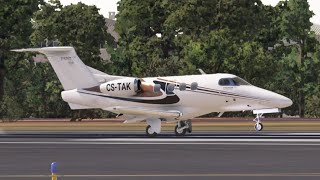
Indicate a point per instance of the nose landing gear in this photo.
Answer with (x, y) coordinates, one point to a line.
(258, 126)
(259, 112)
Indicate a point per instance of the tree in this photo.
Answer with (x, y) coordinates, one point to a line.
(313, 86)
(236, 36)
(184, 25)
(15, 29)
(78, 25)
(295, 26)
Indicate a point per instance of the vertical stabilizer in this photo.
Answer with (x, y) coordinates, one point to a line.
(71, 71)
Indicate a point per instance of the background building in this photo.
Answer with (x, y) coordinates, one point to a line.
(316, 29)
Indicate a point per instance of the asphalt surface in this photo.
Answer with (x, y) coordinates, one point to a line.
(132, 156)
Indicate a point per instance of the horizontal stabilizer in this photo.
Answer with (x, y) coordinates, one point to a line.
(45, 49)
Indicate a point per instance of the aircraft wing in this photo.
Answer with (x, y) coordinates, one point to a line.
(135, 113)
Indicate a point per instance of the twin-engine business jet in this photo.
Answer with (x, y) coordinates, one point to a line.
(157, 99)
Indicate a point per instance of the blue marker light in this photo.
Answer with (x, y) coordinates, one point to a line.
(54, 167)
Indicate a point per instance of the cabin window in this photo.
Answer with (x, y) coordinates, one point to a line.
(182, 86)
(170, 87)
(194, 86)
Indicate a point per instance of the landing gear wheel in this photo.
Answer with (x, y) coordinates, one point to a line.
(150, 132)
(179, 132)
(258, 126)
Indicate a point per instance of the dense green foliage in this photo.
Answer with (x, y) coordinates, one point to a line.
(243, 37)
(15, 29)
(33, 90)
(271, 47)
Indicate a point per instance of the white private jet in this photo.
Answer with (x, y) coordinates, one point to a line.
(157, 99)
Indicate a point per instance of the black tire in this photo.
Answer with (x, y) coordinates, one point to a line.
(257, 128)
(148, 134)
(189, 130)
(184, 131)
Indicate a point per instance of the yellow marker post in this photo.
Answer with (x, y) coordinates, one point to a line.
(53, 171)
(54, 176)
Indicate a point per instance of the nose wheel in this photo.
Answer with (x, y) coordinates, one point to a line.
(258, 126)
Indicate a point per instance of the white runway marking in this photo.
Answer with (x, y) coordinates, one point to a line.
(298, 133)
(172, 175)
(179, 141)
(168, 143)
(154, 140)
(267, 139)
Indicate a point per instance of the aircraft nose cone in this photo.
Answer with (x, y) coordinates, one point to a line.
(284, 101)
(276, 100)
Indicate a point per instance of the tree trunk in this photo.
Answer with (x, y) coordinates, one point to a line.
(2, 73)
(301, 103)
(301, 93)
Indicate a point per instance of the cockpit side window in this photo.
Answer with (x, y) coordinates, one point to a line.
(240, 81)
(236, 81)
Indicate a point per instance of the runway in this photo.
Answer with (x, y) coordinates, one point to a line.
(132, 156)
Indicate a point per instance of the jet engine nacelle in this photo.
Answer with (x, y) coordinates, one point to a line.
(128, 87)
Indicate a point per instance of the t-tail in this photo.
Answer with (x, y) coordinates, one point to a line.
(71, 71)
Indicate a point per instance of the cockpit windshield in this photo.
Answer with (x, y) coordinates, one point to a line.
(235, 81)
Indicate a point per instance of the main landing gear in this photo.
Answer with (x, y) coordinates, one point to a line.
(258, 126)
(150, 132)
(154, 127)
(183, 127)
